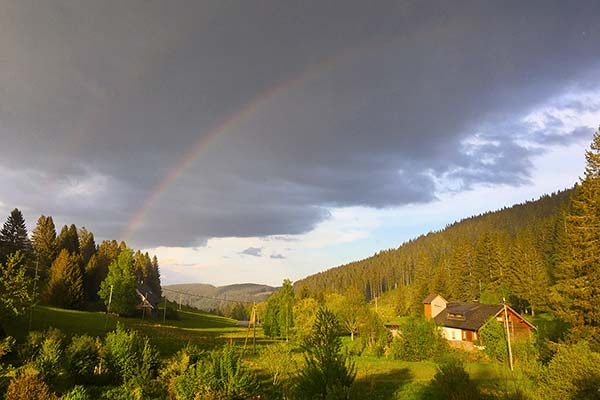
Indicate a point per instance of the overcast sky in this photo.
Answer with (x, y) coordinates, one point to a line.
(257, 140)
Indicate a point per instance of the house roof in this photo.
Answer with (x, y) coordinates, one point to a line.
(147, 295)
(430, 298)
(475, 315)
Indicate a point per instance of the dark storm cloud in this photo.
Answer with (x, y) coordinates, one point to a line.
(377, 106)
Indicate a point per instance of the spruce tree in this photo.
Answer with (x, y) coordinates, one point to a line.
(44, 243)
(65, 283)
(13, 236)
(528, 276)
(577, 291)
(87, 245)
(68, 239)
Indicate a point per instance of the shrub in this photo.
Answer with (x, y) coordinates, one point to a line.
(27, 385)
(493, 338)
(327, 373)
(573, 373)
(226, 377)
(46, 351)
(419, 340)
(176, 367)
(82, 358)
(77, 393)
(452, 382)
(128, 356)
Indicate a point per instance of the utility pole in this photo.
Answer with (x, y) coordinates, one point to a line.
(33, 291)
(510, 357)
(108, 307)
(253, 318)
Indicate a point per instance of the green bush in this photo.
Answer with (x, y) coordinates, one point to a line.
(573, 373)
(452, 382)
(327, 374)
(128, 356)
(493, 338)
(82, 358)
(419, 340)
(46, 351)
(27, 385)
(226, 377)
(77, 393)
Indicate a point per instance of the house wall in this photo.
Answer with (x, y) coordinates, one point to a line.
(437, 306)
(518, 328)
(452, 334)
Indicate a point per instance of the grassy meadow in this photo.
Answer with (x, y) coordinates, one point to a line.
(377, 377)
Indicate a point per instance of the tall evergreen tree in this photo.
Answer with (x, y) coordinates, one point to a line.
(528, 276)
(65, 283)
(44, 243)
(87, 245)
(577, 291)
(68, 239)
(13, 236)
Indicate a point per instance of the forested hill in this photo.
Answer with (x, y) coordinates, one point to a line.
(511, 251)
(207, 297)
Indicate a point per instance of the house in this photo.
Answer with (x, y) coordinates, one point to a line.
(460, 322)
(148, 300)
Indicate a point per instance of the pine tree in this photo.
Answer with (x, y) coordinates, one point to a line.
(528, 276)
(87, 245)
(13, 236)
(44, 244)
(577, 292)
(68, 239)
(65, 284)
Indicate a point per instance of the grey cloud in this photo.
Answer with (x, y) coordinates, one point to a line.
(278, 256)
(252, 251)
(324, 104)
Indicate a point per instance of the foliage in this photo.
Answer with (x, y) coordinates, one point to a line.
(305, 311)
(493, 337)
(278, 319)
(43, 239)
(82, 358)
(68, 239)
(280, 365)
(45, 350)
(122, 279)
(77, 393)
(15, 295)
(65, 284)
(27, 385)
(576, 294)
(452, 382)
(327, 374)
(419, 339)
(128, 356)
(13, 236)
(348, 308)
(573, 373)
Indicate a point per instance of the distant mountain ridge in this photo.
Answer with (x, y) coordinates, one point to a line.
(205, 296)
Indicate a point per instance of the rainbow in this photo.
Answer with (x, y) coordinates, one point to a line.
(233, 121)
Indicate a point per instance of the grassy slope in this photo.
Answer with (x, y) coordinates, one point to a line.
(203, 330)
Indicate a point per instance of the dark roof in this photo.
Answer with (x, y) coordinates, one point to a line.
(147, 295)
(430, 298)
(475, 315)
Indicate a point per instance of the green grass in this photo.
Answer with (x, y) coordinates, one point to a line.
(204, 330)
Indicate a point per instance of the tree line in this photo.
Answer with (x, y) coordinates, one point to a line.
(68, 269)
(541, 255)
